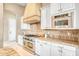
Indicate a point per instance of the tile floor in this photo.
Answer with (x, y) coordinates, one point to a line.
(8, 52)
(17, 48)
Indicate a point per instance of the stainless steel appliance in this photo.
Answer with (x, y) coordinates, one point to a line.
(63, 20)
(29, 44)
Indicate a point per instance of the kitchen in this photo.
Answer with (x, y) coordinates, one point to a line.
(44, 29)
(52, 29)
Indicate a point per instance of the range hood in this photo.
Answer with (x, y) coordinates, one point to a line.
(32, 19)
(32, 13)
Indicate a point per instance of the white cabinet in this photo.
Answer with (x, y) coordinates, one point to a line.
(67, 6)
(58, 8)
(48, 18)
(25, 26)
(42, 48)
(61, 7)
(56, 50)
(54, 8)
(45, 49)
(45, 18)
(37, 47)
(66, 52)
(51, 10)
(20, 40)
(63, 50)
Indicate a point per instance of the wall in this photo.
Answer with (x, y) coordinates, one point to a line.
(1, 25)
(35, 30)
(64, 34)
(14, 8)
(7, 15)
(12, 11)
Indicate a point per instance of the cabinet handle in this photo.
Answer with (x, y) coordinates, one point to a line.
(60, 50)
(45, 43)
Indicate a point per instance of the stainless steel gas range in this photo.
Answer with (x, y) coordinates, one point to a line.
(29, 43)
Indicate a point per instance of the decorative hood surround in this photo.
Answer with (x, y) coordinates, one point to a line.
(32, 13)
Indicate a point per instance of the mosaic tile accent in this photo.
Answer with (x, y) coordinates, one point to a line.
(70, 34)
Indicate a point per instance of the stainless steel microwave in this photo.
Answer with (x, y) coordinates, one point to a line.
(63, 20)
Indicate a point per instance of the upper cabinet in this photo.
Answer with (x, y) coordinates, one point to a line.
(60, 15)
(67, 6)
(61, 7)
(32, 13)
(54, 8)
(24, 26)
(45, 17)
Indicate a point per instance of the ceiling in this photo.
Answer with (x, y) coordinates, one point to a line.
(22, 4)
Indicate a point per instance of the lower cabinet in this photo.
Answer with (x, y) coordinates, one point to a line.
(66, 52)
(37, 47)
(56, 50)
(20, 40)
(42, 48)
(62, 50)
(45, 51)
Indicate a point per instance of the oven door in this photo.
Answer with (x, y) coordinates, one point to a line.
(62, 23)
(63, 20)
(29, 45)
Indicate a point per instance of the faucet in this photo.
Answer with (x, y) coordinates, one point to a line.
(46, 34)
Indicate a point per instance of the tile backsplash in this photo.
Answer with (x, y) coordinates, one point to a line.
(71, 35)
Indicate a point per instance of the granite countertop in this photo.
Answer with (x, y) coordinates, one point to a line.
(64, 42)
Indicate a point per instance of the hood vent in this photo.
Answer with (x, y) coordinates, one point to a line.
(32, 13)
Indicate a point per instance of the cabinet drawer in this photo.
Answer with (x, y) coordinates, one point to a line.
(69, 47)
(66, 52)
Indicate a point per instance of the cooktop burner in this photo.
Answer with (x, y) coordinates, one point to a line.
(32, 35)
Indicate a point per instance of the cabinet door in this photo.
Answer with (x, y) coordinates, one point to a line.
(48, 18)
(20, 40)
(56, 51)
(42, 49)
(25, 26)
(43, 18)
(55, 8)
(66, 52)
(45, 49)
(67, 6)
(37, 47)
